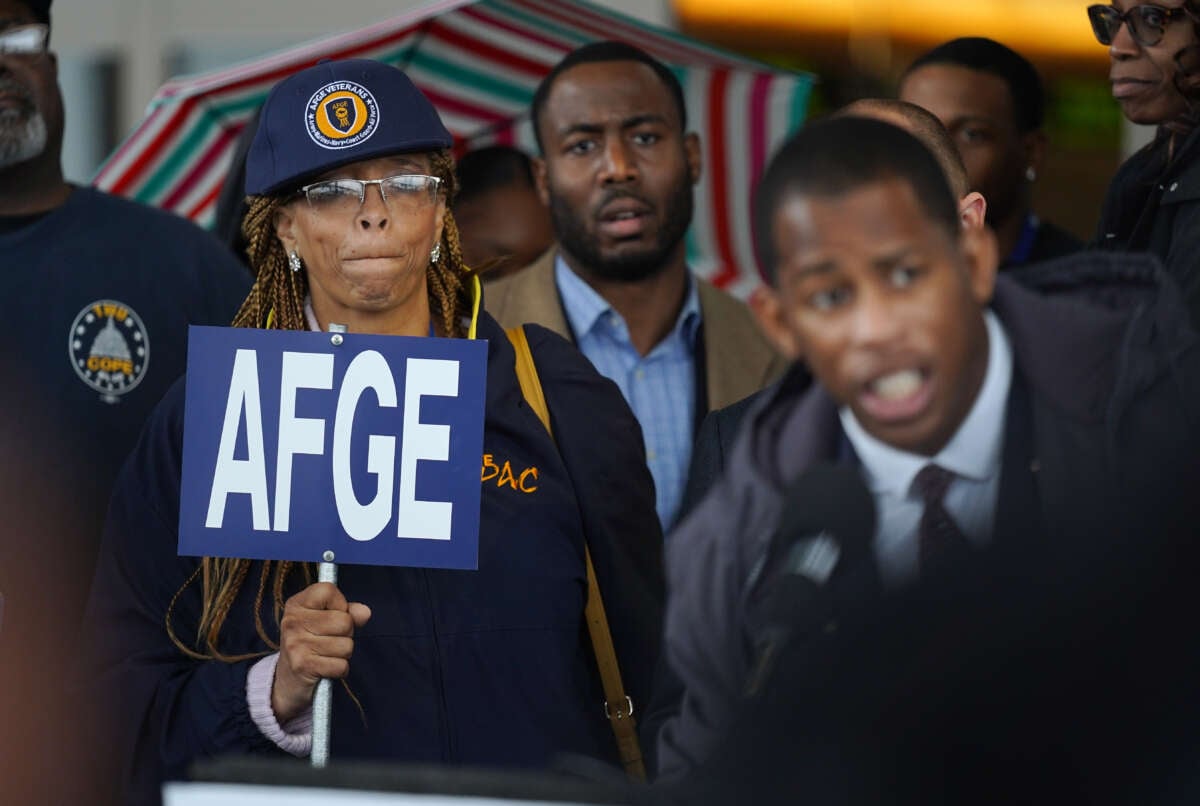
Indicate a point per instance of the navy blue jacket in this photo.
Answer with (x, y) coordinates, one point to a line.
(487, 667)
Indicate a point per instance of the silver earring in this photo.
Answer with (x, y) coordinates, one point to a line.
(1030, 174)
(436, 254)
(294, 261)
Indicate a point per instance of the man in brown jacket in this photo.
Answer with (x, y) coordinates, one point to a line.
(617, 171)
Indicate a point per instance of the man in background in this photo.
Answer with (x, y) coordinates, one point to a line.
(502, 222)
(617, 170)
(98, 292)
(992, 102)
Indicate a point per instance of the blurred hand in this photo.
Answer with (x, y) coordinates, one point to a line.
(316, 641)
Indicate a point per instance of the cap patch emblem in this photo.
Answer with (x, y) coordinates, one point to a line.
(109, 348)
(341, 115)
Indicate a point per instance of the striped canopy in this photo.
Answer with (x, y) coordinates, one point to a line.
(479, 61)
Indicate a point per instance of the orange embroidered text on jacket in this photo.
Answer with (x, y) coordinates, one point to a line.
(504, 475)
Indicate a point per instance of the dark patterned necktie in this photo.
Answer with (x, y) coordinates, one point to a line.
(939, 540)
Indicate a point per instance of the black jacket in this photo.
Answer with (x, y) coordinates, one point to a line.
(1153, 205)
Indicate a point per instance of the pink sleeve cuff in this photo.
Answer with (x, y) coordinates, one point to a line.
(294, 736)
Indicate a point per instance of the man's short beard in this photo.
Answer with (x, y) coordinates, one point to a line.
(633, 267)
(23, 136)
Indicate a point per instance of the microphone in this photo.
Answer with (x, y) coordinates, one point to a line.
(828, 518)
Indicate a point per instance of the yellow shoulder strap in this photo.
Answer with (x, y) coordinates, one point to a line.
(527, 376)
(618, 706)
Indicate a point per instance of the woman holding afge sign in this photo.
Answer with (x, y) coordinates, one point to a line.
(350, 180)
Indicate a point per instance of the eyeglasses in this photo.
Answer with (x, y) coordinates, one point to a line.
(345, 196)
(27, 40)
(1147, 23)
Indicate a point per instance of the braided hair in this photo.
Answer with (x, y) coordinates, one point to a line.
(277, 300)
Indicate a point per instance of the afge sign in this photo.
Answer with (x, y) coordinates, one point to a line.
(299, 443)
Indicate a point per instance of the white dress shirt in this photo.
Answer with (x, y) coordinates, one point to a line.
(973, 455)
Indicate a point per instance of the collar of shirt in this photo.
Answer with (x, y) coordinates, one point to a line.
(973, 452)
(588, 313)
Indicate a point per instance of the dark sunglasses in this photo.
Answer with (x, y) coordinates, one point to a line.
(1147, 23)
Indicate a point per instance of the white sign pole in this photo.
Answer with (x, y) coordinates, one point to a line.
(323, 698)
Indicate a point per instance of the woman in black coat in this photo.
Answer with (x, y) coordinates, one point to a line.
(1153, 203)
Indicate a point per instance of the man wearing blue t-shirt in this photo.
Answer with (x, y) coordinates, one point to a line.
(98, 294)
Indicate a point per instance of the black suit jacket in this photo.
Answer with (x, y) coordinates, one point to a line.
(714, 441)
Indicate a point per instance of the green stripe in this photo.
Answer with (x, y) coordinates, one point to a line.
(691, 247)
(537, 23)
(247, 103)
(800, 98)
(739, 61)
(104, 165)
(180, 154)
(473, 78)
(160, 181)
(681, 74)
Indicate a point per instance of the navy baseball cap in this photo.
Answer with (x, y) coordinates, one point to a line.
(336, 113)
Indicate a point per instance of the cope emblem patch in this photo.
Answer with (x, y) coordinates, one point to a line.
(109, 348)
(341, 114)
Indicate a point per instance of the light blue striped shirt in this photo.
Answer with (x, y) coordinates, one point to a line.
(660, 387)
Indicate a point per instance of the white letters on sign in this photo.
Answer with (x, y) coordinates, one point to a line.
(368, 370)
(297, 434)
(426, 520)
(424, 376)
(249, 475)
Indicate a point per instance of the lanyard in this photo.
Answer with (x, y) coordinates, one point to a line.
(1024, 248)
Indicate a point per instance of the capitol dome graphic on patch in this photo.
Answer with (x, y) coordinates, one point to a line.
(110, 344)
(109, 348)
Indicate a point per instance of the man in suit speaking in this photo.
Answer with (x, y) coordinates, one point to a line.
(1049, 434)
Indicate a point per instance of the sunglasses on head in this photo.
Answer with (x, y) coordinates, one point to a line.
(1147, 23)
